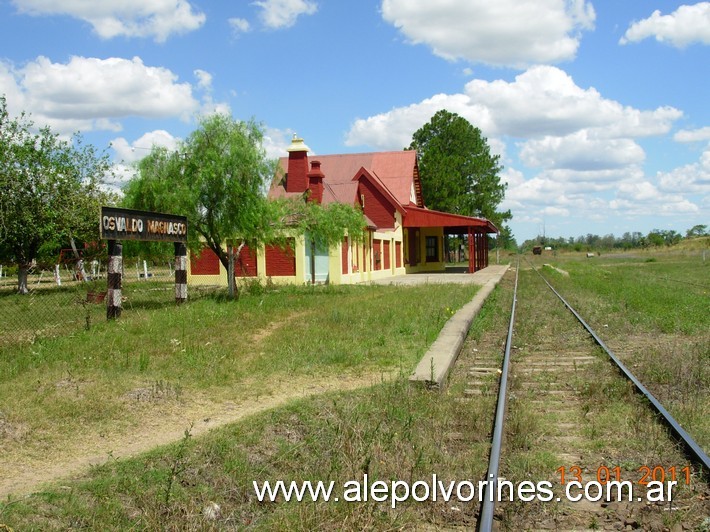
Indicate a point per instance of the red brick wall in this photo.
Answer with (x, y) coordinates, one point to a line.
(206, 264)
(281, 262)
(377, 208)
(245, 263)
(297, 178)
(398, 254)
(386, 254)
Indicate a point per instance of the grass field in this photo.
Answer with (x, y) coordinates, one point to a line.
(388, 431)
(654, 312)
(62, 394)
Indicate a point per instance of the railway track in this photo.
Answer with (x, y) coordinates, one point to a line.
(569, 411)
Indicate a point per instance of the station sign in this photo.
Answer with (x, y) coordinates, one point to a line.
(129, 224)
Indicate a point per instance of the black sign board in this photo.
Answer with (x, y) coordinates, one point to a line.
(127, 224)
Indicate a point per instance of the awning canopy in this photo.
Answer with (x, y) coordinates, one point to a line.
(418, 217)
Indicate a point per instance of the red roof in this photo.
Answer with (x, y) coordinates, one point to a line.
(393, 169)
(418, 217)
(393, 173)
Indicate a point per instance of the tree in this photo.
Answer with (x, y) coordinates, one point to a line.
(697, 230)
(217, 179)
(458, 172)
(326, 224)
(49, 191)
(506, 240)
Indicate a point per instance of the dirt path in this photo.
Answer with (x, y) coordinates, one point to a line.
(20, 476)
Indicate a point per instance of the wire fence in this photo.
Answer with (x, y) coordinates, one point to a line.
(60, 302)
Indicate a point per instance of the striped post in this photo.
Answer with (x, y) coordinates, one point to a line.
(115, 271)
(180, 272)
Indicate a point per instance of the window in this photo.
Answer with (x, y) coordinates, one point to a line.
(432, 249)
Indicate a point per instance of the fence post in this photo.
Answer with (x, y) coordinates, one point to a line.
(114, 278)
(180, 272)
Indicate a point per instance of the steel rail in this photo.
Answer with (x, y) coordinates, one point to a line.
(691, 445)
(485, 521)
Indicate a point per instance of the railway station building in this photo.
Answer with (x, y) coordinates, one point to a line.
(403, 236)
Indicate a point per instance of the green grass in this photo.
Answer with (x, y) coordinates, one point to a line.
(214, 348)
(49, 311)
(653, 311)
(661, 293)
(390, 431)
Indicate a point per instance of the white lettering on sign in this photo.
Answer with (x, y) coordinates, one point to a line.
(122, 224)
(166, 228)
(140, 225)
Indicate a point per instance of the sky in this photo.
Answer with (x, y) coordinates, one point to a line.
(599, 110)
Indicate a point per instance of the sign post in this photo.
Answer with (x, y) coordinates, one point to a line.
(180, 272)
(114, 280)
(128, 224)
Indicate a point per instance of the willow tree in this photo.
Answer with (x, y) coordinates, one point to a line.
(218, 178)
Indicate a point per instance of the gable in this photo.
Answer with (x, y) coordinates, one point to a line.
(375, 205)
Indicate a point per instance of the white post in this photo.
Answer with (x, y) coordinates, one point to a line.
(145, 270)
(57, 277)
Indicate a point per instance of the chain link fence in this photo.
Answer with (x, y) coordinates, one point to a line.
(63, 300)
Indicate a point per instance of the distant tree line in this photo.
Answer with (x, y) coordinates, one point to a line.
(629, 240)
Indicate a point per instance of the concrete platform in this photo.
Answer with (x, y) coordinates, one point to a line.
(434, 367)
(481, 277)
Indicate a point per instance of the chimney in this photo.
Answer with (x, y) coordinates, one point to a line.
(297, 173)
(315, 182)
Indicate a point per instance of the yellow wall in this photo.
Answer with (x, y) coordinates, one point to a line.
(360, 252)
(423, 265)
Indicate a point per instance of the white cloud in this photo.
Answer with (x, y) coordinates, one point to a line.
(580, 151)
(692, 135)
(689, 178)
(204, 79)
(393, 130)
(239, 25)
(515, 33)
(686, 25)
(641, 191)
(654, 206)
(585, 145)
(209, 106)
(542, 103)
(545, 100)
(129, 153)
(120, 175)
(276, 141)
(139, 148)
(278, 14)
(90, 93)
(130, 18)
(555, 211)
